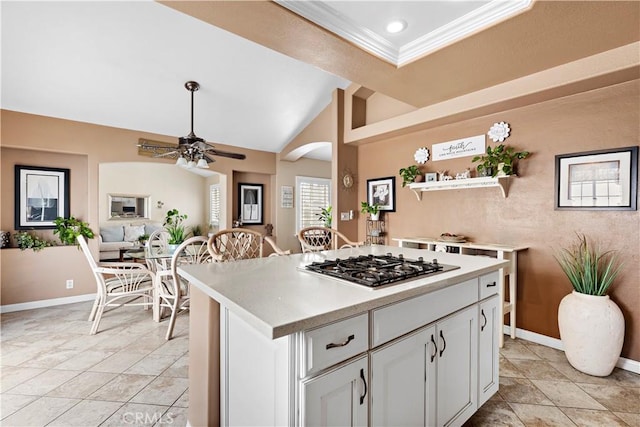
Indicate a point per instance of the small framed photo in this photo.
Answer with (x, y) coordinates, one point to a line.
(41, 196)
(597, 180)
(430, 177)
(382, 191)
(250, 209)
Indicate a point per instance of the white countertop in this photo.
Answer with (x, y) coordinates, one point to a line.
(278, 297)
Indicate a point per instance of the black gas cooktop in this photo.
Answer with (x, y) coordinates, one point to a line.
(378, 270)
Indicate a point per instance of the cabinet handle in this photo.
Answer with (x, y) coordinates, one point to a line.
(444, 344)
(342, 344)
(364, 381)
(485, 320)
(435, 348)
(491, 285)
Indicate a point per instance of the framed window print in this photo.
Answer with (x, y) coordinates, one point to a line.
(597, 180)
(382, 191)
(41, 196)
(250, 209)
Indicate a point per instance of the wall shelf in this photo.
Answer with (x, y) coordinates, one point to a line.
(454, 184)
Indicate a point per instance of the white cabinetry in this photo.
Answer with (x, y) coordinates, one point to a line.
(337, 398)
(489, 324)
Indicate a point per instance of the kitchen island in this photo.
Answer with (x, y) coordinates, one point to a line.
(273, 344)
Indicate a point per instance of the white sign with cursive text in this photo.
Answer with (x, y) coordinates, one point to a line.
(471, 146)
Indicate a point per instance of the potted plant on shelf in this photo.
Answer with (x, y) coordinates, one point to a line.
(499, 160)
(68, 229)
(26, 240)
(173, 223)
(410, 174)
(372, 210)
(591, 324)
(325, 216)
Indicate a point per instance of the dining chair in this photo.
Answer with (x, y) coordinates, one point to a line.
(158, 240)
(315, 239)
(118, 284)
(276, 250)
(172, 290)
(234, 244)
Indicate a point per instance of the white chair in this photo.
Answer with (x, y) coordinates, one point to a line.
(315, 239)
(158, 241)
(172, 290)
(118, 284)
(234, 244)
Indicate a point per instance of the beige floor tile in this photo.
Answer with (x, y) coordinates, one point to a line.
(508, 370)
(514, 349)
(615, 398)
(152, 365)
(539, 416)
(83, 385)
(631, 419)
(11, 376)
(593, 418)
(494, 414)
(122, 388)
(162, 391)
(87, 413)
(175, 346)
(40, 412)
(538, 369)
(84, 360)
(180, 368)
(10, 403)
(139, 415)
(567, 394)
(521, 390)
(176, 416)
(45, 382)
(183, 401)
(51, 358)
(118, 362)
(576, 376)
(546, 353)
(625, 378)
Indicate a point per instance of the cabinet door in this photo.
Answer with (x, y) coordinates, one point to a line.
(488, 325)
(403, 381)
(337, 398)
(457, 371)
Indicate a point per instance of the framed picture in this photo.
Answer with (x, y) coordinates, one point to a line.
(250, 207)
(41, 195)
(430, 177)
(382, 191)
(597, 180)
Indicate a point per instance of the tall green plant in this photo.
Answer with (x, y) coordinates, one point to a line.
(173, 224)
(325, 216)
(68, 229)
(590, 270)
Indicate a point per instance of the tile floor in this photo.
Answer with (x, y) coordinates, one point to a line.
(53, 373)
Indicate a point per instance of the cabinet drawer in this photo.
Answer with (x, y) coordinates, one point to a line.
(397, 319)
(333, 343)
(489, 284)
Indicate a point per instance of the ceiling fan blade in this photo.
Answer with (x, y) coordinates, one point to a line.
(208, 159)
(173, 153)
(226, 154)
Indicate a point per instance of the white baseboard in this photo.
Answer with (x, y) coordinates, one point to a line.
(623, 363)
(46, 303)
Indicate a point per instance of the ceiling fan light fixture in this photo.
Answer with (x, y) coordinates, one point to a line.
(191, 164)
(202, 164)
(181, 161)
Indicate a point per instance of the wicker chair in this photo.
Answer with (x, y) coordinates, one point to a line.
(118, 283)
(276, 250)
(158, 240)
(315, 239)
(235, 244)
(172, 289)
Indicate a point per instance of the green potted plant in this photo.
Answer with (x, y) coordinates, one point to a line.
(591, 324)
(142, 239)
(26, 240)
(68, 229)
(325, 216)
(372, 210)
(173, 223)
(499, 160)
(410, 174)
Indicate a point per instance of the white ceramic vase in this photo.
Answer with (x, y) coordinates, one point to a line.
(592, 332)
(375, 217)
(171, 248)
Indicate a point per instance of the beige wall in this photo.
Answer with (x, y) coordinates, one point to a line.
(598, 119)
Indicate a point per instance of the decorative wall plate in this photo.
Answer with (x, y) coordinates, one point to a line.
(348, 179)
(499, 131)
(421, 155)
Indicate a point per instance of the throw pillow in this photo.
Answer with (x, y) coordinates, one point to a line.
(151, 227)
(112, 234)
(132, 232)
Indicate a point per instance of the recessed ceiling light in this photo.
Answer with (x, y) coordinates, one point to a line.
(396, 26)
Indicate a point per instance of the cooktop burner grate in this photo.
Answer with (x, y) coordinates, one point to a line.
(378, 270)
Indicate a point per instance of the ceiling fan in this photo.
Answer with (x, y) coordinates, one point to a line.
(191, 151)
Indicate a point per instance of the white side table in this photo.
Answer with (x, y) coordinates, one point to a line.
(505, 252)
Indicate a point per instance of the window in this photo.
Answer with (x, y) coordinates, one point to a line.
(214, 205)
(312, 195)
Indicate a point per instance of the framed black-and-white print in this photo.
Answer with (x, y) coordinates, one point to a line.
(382, 191)
(41, 196)
(250, 207)
(597, 180)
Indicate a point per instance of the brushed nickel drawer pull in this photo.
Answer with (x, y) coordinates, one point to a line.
(349, 339)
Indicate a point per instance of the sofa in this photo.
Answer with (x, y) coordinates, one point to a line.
(114, 237)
